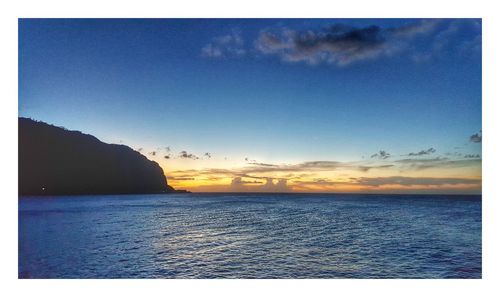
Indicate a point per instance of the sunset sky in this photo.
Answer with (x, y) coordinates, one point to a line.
(321, 105)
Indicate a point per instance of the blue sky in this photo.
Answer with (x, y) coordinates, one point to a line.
(281, 91)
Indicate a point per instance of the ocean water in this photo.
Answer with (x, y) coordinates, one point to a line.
(250, 236)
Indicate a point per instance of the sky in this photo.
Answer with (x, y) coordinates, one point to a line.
(269, 105)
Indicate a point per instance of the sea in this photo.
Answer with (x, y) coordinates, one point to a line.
(232, 235)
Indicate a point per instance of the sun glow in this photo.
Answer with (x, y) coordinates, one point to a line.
(235, 175)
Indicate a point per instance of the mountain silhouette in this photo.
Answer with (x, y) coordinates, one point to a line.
(56, 161)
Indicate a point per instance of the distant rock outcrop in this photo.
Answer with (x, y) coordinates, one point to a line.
(56, 161)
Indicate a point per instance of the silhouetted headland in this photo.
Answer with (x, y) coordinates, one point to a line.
(56, 161)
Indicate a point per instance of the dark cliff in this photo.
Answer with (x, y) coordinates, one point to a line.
(56, 161)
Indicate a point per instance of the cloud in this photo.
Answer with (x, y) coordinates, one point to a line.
(186, 155)
(476, 138)
(263, 170)
(450, 38)
(238, 181)
(249, 161)
(414, 181)
(253, 162)
(372, 183)
(473, 46)
(238, 184)
(225, 46)
(339, 44)
(438, 162)
(455, 27)
(427, 160)
(180, 178)
(311, 168)
(308, 176)
(413, 29)
(279, 186)
(367, 168)
(381, 155)
(320, 182)
(428, 151)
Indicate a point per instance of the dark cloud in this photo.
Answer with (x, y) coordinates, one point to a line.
(180, 178)
(186, 155)
(225, 46)
(253, 162)
(367, 168)
(476, 138)
(381, 155)
(427, 160)
(339, 44)
(428, 151)
(472, 156)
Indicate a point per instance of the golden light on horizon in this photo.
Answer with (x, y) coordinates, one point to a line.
(240, 174)
(348, 182)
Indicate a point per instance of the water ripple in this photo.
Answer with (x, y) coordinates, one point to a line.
(250, 236)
